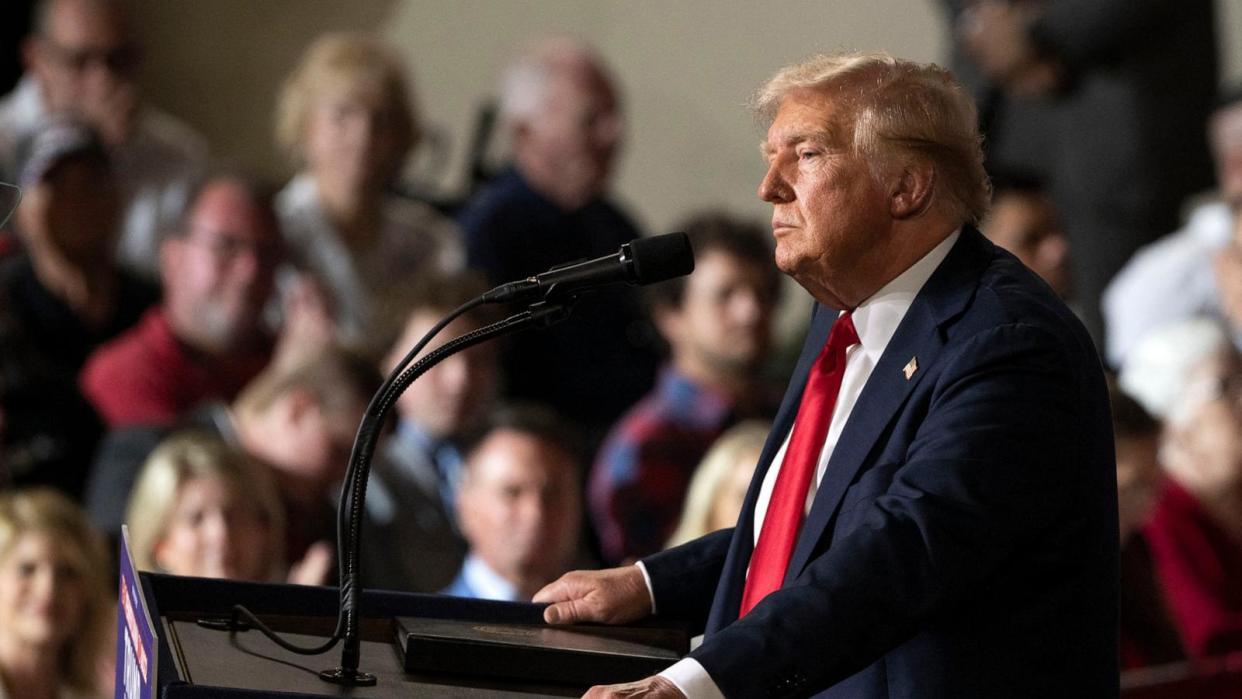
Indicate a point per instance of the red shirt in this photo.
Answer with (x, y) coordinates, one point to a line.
(1199, 567)
(147, 377)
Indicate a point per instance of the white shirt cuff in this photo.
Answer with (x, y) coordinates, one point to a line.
(687, 674)
(692, 680)
(647, 580)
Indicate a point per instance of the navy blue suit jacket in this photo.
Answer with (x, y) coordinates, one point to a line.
(963, 541)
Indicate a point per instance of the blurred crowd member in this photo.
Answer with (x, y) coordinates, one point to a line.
(59, 300)
(519, 506)
(718, 488)
(201, 507)
(207, 339)
(83, 58)
(1173, 278)
(298, 420)
(1195, 533)
(55, 610)
(718, 325)
(1148, 636)
(346, 119)
(413, 542)
(1104, 100)
(561, 113)
(1024, 221)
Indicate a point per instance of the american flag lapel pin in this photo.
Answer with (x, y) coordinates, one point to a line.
(910, 367)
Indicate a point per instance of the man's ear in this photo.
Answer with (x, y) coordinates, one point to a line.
(912, 190)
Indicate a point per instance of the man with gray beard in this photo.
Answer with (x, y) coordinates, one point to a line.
(206, 340)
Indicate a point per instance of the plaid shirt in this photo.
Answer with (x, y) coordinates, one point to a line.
(642, 471)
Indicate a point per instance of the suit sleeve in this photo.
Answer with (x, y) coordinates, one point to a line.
(979, 478)
(684, 578)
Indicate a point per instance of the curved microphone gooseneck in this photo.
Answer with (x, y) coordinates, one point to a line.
(643, 261)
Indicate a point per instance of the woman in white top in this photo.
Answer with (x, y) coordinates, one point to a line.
(346, 119)
(55, 608)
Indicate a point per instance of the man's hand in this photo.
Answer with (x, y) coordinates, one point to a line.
(613, 596)
(651, 688)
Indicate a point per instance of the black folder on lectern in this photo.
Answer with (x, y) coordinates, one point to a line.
(196, 661)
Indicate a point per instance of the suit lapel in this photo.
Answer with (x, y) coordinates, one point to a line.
(943, 297)
(733, 578)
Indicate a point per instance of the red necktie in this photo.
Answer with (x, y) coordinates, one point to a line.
(788, 503)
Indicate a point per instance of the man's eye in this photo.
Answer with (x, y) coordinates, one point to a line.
(807, 154)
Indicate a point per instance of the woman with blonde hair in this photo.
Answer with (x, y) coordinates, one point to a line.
(202, 507)
(346, 119)
(55, 608)
(719, 485)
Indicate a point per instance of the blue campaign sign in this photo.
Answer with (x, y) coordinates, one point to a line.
(135, 634)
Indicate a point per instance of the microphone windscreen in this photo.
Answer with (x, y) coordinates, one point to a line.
(661, 257)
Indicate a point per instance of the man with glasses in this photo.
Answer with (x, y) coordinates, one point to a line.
(83, 58)
(208, 338)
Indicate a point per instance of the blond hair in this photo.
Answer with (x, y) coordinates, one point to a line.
(49, 513)
(181, 458)
(898, 107)
(340, 60)
(712, 474)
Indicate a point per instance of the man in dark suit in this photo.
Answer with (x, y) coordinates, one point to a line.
(954, 528)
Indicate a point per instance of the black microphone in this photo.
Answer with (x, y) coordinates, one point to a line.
(641, 261)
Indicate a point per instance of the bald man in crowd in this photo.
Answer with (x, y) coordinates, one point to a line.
(561, 112)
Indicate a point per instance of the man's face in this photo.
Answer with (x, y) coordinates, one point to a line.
(72, 213)
(574, 140)
(85, 63)
(218, 274)
(829, 215)
(453, 395)
(1026, 225)
(519, 506)
(724, 323)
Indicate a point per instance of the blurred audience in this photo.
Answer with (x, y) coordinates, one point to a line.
(1148, 636)
(56, 620)
(1024, 221)
(1104, 100)
(1173, 278)
(519, 506)
(83, 58)
(714, 499)
(299, 421)
(718, 325)
(1195, 533)
(207, 339)
(412, 541)
(201, 507)
(560, 110)
(59, 299)
(346, 119)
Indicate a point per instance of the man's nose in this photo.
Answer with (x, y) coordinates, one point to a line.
(774, 189)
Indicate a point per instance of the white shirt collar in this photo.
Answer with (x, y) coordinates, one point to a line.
(487, 583)
(877, 318)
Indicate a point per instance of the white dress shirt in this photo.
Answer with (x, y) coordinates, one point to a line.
(1167, 281)
(876, 320)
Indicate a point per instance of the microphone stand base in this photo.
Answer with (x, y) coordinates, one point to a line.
(348, 678)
